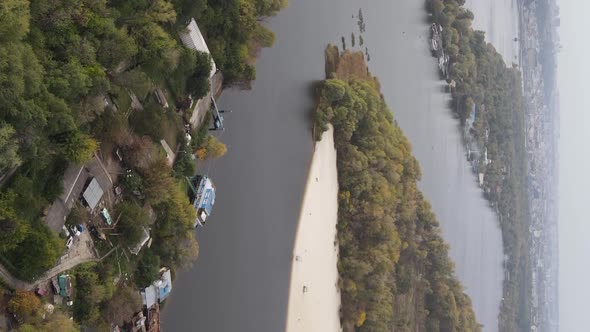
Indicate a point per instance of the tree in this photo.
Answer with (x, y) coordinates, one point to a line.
(36, 253)
(133, 220)
(9, 156)
(148, 268)
(198, 83)
(158, 182)
(117, 49)
(139, 152)
(125, 302)
(211, 148)
(132, 182)
(12, 229)
(24, 304)
(14, 19)
(162, 11)
(78, 215)
(77, 147)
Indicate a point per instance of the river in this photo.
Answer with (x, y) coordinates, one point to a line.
(241, 279)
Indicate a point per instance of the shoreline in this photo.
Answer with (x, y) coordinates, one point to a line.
(314, 297)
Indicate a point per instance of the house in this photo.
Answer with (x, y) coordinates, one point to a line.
(192, 38)
(159, 290)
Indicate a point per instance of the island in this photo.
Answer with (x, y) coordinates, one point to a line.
(394, 268)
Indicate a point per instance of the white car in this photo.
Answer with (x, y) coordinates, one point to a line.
(69, 242)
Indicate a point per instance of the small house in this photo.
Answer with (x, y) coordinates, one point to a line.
(92, 194)
(159, 290)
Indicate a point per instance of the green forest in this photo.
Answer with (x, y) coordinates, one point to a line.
(483, 79)
(69, 73)
(395, 272)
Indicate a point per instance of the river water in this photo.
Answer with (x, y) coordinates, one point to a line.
(241, 279)
(499, 20)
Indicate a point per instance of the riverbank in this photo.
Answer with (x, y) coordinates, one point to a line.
(314, 298)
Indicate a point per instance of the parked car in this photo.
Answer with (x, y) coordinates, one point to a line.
(74, 230)
(69, 242)
(66, 231)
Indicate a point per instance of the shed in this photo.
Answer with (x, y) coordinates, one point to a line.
(93, 194)
(148, 296)
(144, 239)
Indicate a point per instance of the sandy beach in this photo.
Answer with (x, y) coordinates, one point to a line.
(314, 299)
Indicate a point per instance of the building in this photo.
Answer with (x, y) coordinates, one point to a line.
(92, 194)
(144, 239)
(159, 290)
(193, 39)
(202, 198)
(65, 288)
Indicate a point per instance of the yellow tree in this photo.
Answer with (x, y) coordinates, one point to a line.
(211, 148)
(24, 304)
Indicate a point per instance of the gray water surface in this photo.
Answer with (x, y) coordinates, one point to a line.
(241, 279)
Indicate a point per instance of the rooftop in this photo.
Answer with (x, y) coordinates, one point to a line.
(93, 194)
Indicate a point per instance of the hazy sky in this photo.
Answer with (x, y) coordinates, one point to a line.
(574, 188)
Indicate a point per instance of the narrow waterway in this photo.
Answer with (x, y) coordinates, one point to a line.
(241, 280)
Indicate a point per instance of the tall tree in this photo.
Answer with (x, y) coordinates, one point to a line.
(133, 220)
